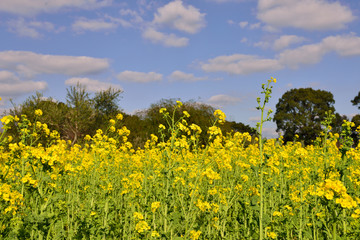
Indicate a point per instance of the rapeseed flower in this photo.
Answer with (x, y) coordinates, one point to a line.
(142, 226)
(38, 112)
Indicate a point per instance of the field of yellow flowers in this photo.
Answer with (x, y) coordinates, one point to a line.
(176, 189)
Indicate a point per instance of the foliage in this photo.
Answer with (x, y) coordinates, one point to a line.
(356, 100)
(299, 112)
(106, 105)
(80, 119)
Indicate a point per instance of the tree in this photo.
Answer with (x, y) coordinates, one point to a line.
(300, 111)
(200, 114)
(106, 106)
(337, 123)
(355, 135)
(356, 100)
(54, 113)
(80, 119)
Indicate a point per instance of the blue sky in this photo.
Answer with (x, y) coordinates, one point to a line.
(217, 52)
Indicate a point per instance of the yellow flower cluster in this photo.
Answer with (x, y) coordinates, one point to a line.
(220, 116)
(335, 188)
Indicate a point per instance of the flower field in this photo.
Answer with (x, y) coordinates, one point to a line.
(235, 187)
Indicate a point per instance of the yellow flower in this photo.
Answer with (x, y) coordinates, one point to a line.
(38, 112)
(112, 121)
(7, 119)
(155, 206)
(277, 214)
(272, 235)
(161, 126)
(155, 234)
(194, 235)
(162, 110)
(179, 104)
(138, 216)
(119, 117)
(142, 226)
(112, 129)
(92, 213)
(186, 114)
(220, 116)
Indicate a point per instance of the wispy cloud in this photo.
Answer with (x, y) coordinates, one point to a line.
(33, 7)
(169, 40)
(11, 85)
(280, 43)
(186, 77)
(139, 77)
(92, 85)
(241, 64)
(343, 45)
(30, 64)
(222, 100)
(30, 29)
(307, 14)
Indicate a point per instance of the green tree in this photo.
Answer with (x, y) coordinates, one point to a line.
(356, 101)
(355, 135)
(232, 126)
(80, 119)
(54, 112)
(200, 114)
(300, 111)
(337, 122)
(106, 106)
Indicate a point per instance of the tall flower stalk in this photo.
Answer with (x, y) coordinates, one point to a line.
(266, 90)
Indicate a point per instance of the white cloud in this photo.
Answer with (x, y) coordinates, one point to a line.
(21, 87)
(29, 29)
(139, 77)
(84, 24)
(241, 64)
(169, 40)
(286, 40)
(243, 24)
(225, 1)
(30, 64)
(263, 44)
(91, 84)
(177, 16)
(348, 45)
(254, 26)
(223, 100)
(33, 7)
(304, 14)
(280, 43)
(8, 77)
(187, 77)
(343, 45)
(307, 54)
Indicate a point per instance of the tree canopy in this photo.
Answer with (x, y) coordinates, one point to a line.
(356, 100)
(84, 113)
(300, 112)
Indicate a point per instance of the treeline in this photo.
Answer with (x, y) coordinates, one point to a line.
(300, 114)
(83, 114)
